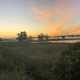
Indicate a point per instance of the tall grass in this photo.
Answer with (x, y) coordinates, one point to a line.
(35, 61)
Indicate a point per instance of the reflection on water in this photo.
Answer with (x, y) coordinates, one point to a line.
(65, 41)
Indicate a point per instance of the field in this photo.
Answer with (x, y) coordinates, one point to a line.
(27, 61)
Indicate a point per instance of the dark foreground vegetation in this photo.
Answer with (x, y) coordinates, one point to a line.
(39, 61)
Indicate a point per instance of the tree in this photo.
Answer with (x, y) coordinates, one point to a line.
(30, 38)
(46, 37)
(22, 36)
(41, 37)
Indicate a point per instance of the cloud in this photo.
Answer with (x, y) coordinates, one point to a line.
(47, 16)
(41, 14)
(74, 30)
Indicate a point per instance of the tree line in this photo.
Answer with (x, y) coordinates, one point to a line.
(22, 36)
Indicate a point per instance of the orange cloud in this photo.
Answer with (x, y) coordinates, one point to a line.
(40, 13)
(74, 30)
(47, 16)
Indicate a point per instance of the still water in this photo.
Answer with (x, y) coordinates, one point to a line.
(65, 41)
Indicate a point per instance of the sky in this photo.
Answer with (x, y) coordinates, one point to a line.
(52, 17)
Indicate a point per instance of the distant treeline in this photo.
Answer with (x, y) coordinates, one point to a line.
(22, 36)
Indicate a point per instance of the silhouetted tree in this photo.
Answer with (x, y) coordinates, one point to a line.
(41, 37)
(22, 36)
(30, 38)
(46, 37)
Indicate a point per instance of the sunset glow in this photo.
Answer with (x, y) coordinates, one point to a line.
(53, 17)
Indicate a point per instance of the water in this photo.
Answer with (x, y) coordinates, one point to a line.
(65, 41)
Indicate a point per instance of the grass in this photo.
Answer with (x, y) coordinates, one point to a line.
(26, 61)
